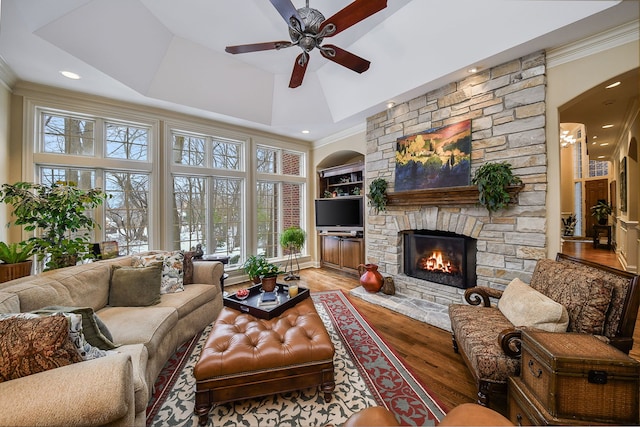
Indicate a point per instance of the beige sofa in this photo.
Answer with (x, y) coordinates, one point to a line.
(112, 390)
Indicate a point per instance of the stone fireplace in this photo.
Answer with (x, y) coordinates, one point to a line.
(506, 105)
(440, 257)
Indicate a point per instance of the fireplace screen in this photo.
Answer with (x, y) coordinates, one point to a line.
(440, 257)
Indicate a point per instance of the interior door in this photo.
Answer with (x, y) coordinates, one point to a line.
(594, 190)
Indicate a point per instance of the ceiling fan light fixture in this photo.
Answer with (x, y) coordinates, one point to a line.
(307, 29)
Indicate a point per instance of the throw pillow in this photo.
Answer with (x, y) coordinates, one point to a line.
(524, 306)
(585, 296)
(29, 346)
(76, 336)
(188, 267)
(172, 268)
(94, 329)
(135, 286)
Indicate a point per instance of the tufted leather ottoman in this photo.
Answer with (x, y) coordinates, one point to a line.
(247, 357)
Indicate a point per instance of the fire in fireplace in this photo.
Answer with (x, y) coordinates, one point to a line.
(440, 257)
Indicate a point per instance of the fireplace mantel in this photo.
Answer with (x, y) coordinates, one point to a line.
(467, 195)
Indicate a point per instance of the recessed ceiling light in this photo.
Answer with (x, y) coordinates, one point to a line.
(601, 157)
(391, 104)
(604, 144)
(607, 126)
(472, 70)
(305, 131)
(70, 75)
(594, 137)
(612, 85)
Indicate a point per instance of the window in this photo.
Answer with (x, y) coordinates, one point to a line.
(208, 207)
(279, 202)
(126, 216)
(67, 135)
(127, 212)
(218, 187)
(127, 142)
(598, 168)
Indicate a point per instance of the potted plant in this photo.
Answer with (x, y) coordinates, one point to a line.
(253, 265)
(268, 276)
(15, 258)
(59, 217)
(378, 194)
(292, 239)
(492, 180)
(601, 211)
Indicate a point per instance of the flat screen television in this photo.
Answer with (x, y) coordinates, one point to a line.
(340, 214)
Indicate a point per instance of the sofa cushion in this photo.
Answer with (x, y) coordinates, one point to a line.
(172, 268)
(135, 286)
(478, 329)
(29, 346)
(131, 325)
(524, 306)
(9, 303)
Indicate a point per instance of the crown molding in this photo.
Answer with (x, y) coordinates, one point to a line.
(7, 77)
(340, 135)
(618, 36)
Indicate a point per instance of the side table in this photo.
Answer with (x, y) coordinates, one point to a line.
(601, 230)
(224, 259)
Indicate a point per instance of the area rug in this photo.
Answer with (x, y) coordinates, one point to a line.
(367, 373)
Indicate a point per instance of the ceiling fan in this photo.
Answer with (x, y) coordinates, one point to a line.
(307, 29)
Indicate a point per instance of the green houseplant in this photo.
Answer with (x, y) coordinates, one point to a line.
(253, 267)
(15, 260)
(59, 217)
(601, 211)
(378, 194)
(292, 239)
(492, 180)
(268, 275)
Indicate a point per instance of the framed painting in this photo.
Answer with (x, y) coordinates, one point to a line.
(436, 158)
(109, 249)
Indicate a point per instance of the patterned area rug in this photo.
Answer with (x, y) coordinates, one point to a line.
(367, 373)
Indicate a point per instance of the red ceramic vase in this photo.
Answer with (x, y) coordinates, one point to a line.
(371, 280)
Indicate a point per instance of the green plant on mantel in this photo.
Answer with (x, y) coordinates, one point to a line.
(59, 217)
(378, 194)
(492, 180)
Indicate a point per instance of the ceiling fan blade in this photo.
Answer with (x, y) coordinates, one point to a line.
(244, 48)
(344, 58)
(288, 11)
(353, 13)
(299, 68)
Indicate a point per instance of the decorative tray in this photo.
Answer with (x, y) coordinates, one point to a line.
(255, 306)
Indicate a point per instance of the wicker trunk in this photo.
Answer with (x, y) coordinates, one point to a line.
(579, 377)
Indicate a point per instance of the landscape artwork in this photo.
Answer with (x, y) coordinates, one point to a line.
(436, 158)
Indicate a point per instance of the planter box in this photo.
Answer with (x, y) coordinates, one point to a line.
(15, 271)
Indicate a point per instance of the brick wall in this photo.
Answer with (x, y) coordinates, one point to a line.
(506, 105)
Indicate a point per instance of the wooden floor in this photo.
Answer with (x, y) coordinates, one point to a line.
(427, 350)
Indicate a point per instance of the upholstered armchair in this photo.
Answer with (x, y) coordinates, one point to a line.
(486, 331)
